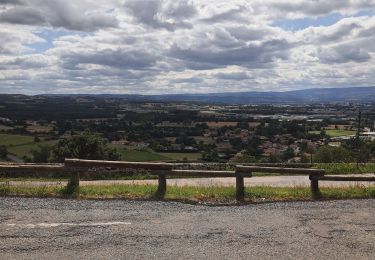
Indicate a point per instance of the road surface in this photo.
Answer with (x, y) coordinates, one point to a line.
(273, 181)
(32, 228)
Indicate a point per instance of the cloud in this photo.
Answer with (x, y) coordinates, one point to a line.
(249, 55)
(58, 14)
(157, 46)
(300, 8)
(23, 15)
(119, 58)
(232, 76)
(169, 15)
(343, 53)
(16, 41)
(11, 2)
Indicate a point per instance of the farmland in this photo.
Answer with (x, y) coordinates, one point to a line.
(22, 145)
(134, 155)
(336, 132)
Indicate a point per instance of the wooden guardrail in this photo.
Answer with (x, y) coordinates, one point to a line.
(312, 173)
(74, 167)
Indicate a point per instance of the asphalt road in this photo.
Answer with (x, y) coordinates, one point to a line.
(32, 228)
(273, 181)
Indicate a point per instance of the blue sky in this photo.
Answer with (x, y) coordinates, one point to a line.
(163, 46)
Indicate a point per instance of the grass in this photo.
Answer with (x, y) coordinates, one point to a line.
(4, 127)
(25, 150)
(12, 140)
(140, 155)
(212, 194)
(182, 156)
(22, 145)
(335, 133)
(346, 168)
(133, 155)
(39, 128)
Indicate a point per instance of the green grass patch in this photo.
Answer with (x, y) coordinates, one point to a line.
(346, 168)
(133, 155)
(335, 132)
(22, 145)
(140, 155)
(25, 150)
(194, 194)
(182, 156)
(11, 140)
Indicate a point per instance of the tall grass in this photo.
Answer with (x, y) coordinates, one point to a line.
(198, 194)
(346, 168)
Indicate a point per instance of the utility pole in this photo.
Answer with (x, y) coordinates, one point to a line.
(358, 133)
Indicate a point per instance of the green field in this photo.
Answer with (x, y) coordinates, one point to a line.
(182, 156)
(133, 155)
(25, 150)
(335, 133)
(11, 140)
(22, 145)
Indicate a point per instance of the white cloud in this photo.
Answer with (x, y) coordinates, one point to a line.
(181, 46)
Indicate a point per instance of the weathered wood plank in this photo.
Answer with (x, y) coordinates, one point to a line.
(117, 164)
(346, 178)
(162, 187)
(36, 168)
(240, 187)
(200, 173)
(280, 170)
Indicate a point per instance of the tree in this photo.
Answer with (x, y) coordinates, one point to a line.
(210, 154)
(288, 154)
(84, 146)
(329, 154)
(3, 151)
(42, 154)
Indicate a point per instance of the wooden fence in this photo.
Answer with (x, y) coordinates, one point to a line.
(74, 167)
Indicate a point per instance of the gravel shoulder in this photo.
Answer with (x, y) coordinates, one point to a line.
(273, 181)
(34, 228)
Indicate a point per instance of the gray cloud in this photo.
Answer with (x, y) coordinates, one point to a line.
(318, 7)
(12, 2)
(233, 14)
(58, 14)
(123, 59)
(23, 15)
(161, 14)
(180, 46)
(344, 53)
(250, 55)
(232, 76)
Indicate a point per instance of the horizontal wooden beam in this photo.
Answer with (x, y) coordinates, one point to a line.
(280, 170)
(117, 164)
(35, 168)
(200, 173)
(345, 178)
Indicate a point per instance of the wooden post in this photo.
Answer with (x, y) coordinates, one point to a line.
(240, 187)
(314, 184)
(73, 183)
(162, 187)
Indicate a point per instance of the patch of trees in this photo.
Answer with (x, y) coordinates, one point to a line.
(84, 146)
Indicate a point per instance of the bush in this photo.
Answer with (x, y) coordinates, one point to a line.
(42, 154)
(3, 151)
(84, 146)
(329, 154)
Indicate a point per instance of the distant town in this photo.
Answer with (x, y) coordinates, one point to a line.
(30, 126)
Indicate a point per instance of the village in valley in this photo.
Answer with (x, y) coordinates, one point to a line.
(189, 131)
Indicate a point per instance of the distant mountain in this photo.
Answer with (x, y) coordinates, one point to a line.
(316, 95)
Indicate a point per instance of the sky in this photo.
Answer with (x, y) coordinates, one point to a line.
(206, 46)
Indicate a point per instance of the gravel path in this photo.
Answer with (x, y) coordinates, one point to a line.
(275, 181)
(32, 228)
